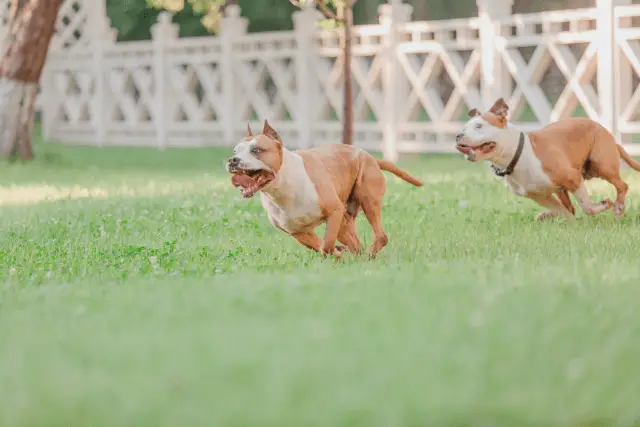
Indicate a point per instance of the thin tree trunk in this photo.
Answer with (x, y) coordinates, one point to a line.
(421, 10)
(32, 27)
(347, 116)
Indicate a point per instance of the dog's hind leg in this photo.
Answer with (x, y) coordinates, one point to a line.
(348, 235)
(612, 174)
(373, 211)
(605, 163)
(587, 205)
(369, 192)
(621, 189)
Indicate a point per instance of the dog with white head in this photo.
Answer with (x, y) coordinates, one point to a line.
(549, 164)
(256, 160)
(485, 136)
(301, 189)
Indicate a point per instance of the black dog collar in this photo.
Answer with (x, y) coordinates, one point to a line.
(511, 166)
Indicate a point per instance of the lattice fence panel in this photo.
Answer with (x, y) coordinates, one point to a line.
(440, 71)
(129, 105)
(551, 60)
(264, 72)
(194, 93)
(72, 108)
(367, 78)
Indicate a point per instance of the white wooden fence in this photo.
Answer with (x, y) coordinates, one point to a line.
(414, 81)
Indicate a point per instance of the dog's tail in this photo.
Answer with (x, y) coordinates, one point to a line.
(628, 159)
(388, 166)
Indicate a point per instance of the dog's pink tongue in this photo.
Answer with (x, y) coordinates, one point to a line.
(242, 180)
(464, 149)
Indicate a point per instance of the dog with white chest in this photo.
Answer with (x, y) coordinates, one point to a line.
(551, 163)
(304, 188)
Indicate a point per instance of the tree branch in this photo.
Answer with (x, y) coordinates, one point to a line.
(326, 11)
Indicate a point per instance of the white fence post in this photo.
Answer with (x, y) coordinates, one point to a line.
(162, 32)
(305, 25)
(617, 69)
(392, 15)
(101, 35)
(605, 44)
(232, 27)
(495, 76)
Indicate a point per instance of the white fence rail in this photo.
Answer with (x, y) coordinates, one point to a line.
(413, 81)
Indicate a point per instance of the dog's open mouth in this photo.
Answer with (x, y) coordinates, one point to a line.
(251, 181)
(484, 148)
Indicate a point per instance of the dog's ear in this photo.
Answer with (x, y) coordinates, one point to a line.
(270, 132)
(474, 112)
(249, 133)
(500, 108)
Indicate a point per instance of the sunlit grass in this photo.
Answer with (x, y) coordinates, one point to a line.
(138, 288)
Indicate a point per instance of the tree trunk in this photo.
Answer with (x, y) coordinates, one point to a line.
(421, 10)
(30, 32)
(347, 117)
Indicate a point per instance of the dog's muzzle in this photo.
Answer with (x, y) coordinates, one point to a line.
(463, 148)
(233, 163)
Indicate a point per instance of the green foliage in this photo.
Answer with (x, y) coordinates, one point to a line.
(166, 299)
(264, 15)
(209, 10)
(133, 18)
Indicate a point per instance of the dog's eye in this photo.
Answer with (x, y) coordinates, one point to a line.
(255, 150)
(478, 125)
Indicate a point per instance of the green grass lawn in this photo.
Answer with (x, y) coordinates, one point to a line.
(137, 288)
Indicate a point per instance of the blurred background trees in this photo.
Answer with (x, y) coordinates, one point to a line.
(133, 18)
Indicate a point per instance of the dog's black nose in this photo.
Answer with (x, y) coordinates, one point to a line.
(459, 137)
(234, 161)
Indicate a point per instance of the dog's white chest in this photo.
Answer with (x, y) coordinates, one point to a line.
(298, 216)
(528, 176)
(529, 181)
(295, 206)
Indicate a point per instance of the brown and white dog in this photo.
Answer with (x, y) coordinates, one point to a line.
(548, 164)
(302, 189)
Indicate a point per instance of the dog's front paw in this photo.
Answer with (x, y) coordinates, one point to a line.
(327, 249)
(618, 209)
(337, 250)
